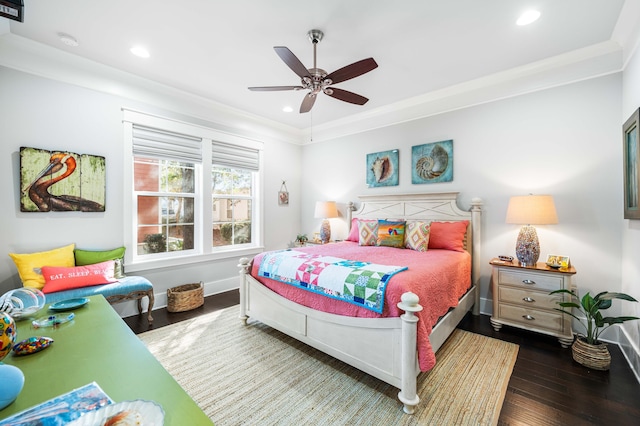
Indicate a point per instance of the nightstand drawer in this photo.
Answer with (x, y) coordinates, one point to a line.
(530, 280)
(532, 317)
(529, 298)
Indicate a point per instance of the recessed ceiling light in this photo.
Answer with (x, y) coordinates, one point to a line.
(528, 17)
(287, 109)
(68, 40)
(140, 51)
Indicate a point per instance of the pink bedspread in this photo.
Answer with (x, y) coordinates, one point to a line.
(438, 277)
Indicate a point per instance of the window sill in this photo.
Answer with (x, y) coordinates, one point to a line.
(188, 260)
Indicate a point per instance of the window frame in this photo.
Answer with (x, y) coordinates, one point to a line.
(203, 215)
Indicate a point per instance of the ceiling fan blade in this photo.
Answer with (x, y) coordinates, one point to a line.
(353, 70)
(292, 61)
(307, 103)
(274, 88)
(345, 95)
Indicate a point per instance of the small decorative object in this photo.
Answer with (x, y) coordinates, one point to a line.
(69, 304)
(382, 168)
(7, 334)
(325, 210)
(22, 302)
(587, 349)
(11, 383)
(557, 262)
(283, 195)
(46, 175)
(302, 239)
(136, 412)
(432, 162)
(530, 210)
(631, 149)
(52, 320)
(185, 297)
(32, 345)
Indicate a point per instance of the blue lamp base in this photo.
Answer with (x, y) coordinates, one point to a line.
(325, 231)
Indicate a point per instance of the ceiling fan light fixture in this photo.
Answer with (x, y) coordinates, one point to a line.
(287, 109)
(528, 17)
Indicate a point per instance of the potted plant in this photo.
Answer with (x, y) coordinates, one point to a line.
(302, 239)
(587, 349)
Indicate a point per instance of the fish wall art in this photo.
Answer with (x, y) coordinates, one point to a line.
(61, 181)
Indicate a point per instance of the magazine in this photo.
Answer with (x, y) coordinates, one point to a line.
(61, 409)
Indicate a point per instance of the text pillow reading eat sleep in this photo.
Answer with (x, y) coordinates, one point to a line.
(59, 278)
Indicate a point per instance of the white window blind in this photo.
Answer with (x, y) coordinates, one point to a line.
(235, 156)
(156, 143)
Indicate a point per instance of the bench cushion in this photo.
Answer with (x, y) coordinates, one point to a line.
(122, 287)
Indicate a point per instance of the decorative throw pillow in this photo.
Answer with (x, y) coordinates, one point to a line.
(59, 278)
(417, 235)
(353, 232)
(391, 233)
(448, 235)
(29, 264)
(90, 257)
(367, 232)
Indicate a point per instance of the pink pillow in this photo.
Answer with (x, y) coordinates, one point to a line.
(353, 233)
(448, 235)
(58, 278)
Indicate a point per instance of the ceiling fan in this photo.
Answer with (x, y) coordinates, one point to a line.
(317, 80)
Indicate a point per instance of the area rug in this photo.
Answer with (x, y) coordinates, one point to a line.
(255, 375)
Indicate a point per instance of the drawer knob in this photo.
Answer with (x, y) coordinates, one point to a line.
(528, 281)
(528, 299)
(528, 317)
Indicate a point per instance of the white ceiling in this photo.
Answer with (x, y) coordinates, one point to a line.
(216, 49)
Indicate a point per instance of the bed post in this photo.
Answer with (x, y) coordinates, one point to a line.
(351, 207)
(408, 394)
(476, 219)
(244, 265)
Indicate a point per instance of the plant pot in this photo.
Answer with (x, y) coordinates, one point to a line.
(596, 357)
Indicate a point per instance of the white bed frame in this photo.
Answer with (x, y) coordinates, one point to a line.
(382, 347)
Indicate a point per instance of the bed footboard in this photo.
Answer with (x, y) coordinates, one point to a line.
(382, 347)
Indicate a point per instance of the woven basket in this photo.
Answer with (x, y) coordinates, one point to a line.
(185, 297)
(596, 357)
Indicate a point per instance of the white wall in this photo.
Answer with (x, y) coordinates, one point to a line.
(630, 336)
(563, 141)
(42, 113)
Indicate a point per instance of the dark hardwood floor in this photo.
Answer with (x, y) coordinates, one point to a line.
(546, 388)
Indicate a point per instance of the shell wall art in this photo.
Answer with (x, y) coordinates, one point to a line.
(382, 168)
(432, 162)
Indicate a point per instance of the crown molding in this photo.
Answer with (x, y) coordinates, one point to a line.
(38, 59)
(582, 64)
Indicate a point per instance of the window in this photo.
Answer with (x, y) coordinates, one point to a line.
(194, 190)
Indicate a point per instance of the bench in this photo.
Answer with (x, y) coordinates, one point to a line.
(127, 288)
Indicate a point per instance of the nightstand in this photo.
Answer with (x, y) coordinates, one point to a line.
(521, 298)
(317, 243)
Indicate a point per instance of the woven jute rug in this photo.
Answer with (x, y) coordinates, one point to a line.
(255, 375)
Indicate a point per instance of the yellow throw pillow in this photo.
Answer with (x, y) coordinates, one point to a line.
(29, 264)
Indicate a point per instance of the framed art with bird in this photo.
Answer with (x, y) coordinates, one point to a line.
(61, 181)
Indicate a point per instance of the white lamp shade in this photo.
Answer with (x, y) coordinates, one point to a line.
(325, 210)
(532, 210)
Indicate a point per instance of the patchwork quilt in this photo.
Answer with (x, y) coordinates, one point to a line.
(359, 283)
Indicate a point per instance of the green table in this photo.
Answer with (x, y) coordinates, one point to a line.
(98, 346)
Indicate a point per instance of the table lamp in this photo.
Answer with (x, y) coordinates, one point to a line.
(528, 210)
(325, 210)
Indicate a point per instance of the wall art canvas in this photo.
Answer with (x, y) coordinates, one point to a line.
(382, 168)
(61, 181)
(432, 162)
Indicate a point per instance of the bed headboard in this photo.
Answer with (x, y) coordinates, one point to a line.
(441, 207)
